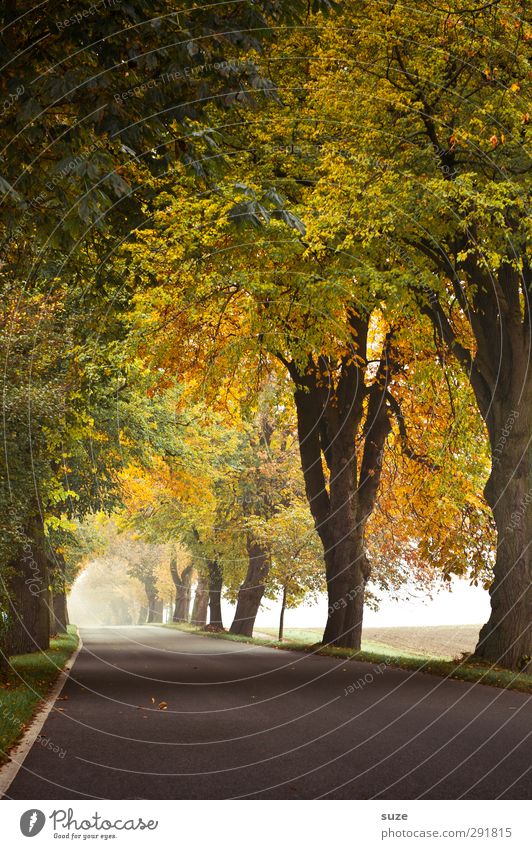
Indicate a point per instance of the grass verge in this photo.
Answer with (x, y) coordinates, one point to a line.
(463, 669)
(30, 678)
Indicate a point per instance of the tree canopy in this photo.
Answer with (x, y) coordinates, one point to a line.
(266, 284)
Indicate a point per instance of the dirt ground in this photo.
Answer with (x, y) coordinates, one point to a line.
(442, 640)
(447, 641)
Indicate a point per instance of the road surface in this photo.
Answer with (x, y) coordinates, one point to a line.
(249, 722)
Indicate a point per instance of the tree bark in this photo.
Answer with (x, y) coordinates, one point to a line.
(497, 306)
(329, 416)
(158, 607)
(281, 615)
(215, 595)
(506, 639)
(155, 607)
(4, 664)
(60, 612)
(251, 591)
(201, 603)
(29, 594)
(334, 511)
(182, 586)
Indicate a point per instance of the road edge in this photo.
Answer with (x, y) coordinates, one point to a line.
(389, 659)
(19, 753)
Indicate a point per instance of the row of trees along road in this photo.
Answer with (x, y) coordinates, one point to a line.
(340, 218)
(73, 154)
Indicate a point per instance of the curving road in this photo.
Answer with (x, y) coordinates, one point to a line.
(249, 722)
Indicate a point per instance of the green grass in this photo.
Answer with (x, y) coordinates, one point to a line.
(463, 670)
(30, 678)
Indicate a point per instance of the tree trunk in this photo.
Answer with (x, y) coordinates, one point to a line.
(506, 639)
(182, 587)
(60, 612)
(281, 616)
(4, 664)
(157, 610)
(58, 607)
(329, 417)
(201, 603)
(324, 429)
(251, 591)
(155, 607)
(215, 595)
(29, 595)
(497, 306)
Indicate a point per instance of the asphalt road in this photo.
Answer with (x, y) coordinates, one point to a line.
(250, 722)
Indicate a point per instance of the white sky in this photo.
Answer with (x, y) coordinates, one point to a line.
(463, 605)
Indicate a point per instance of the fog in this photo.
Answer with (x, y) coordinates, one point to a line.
(105, 594)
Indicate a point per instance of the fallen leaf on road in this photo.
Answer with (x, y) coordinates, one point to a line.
(163, 706)
(152, 700)
(62, 698)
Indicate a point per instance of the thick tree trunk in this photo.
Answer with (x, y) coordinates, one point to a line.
(29, 595)
(329, 418)
(346, 568)
(158, 607)
(151, 610)
(497, 306)
(334, 511)
(506, 639)
(58, 606)
(201, 603)
(352, 500)
(155, 608)
(4, 664)
(182, 588)
(60, 612)
(324, 429)
(215, 595)
(180, 612)
(251, 591)
(346, 583)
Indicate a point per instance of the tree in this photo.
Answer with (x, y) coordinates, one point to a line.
(342, 403)
(266, 479)
(181, 570)
(179, 497)
(201, 602)
(295, 550)
(79, 129)
(144, 568)
(433, 185)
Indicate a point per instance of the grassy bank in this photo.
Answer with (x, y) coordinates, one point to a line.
(461, 669)
(30, 678)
